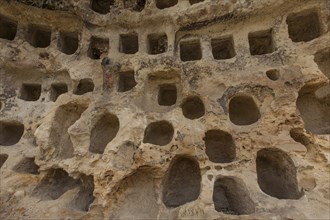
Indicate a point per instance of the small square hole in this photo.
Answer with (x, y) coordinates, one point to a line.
(56, 90)
(261, 42)
(223, 48)
(126, 81)
(157, 43)
(190, 50)
(11, 132)
(38, 36)
(102, 6)
(30, 92)
(303, 26)
(84, 86)
(161, 4)
(68, 42)
(129, 43)
(97, 47)
(135, 5)
(8, 28)
(167, 95)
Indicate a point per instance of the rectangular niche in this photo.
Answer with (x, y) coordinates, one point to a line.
(57, 89)
(97, 47)
(84, 86)
(30, 91)
(129, 43)
(223, 48)
(303, 26)
(261, 42)
(167, 94)
(126, 81)
(162, 91)
(8, 28)
(157, 43)
(190, 50)
(11, 132)
(38, 36)
(68, 42)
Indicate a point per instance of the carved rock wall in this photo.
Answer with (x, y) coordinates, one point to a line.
(164, 109)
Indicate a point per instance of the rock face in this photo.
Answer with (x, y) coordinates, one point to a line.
(164, 109)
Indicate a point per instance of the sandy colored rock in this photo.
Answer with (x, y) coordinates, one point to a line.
(164, 109)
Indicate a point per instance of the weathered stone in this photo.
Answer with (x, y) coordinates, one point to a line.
(164, 109)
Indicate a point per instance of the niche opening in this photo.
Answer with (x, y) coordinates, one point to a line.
(104, 131)
(126, 81)
(38, 36)
(129, 43)
(223, 48)
(8, 28)
(261, 42)
(220, 146)
(182, 182)
(68, 42)
(243, 110)
(231, 196)
(277, 174)
(167, 95)
(158, 133)
(273, 74)
(10, 132)
(157, 43)
(27, 165)
(54, 185)
(193, 107)
(57, 89)
(84, 86)
(314, 110)
(190, 50)
(303, 26)
(30, 92)
(85, 196)
(59, 137)
(98, 47)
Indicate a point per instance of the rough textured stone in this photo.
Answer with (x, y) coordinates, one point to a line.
(164, 109)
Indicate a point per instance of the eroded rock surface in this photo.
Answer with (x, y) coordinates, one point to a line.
(164, 109)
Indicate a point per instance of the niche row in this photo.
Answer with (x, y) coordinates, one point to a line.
(104, 6)
(11, 132)
(40, 36)
(32, 91)
(128, 44)
(276, 177)
(260, 42)
(303, 26)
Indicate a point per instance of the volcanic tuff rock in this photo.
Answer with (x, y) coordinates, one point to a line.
(164, 109)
